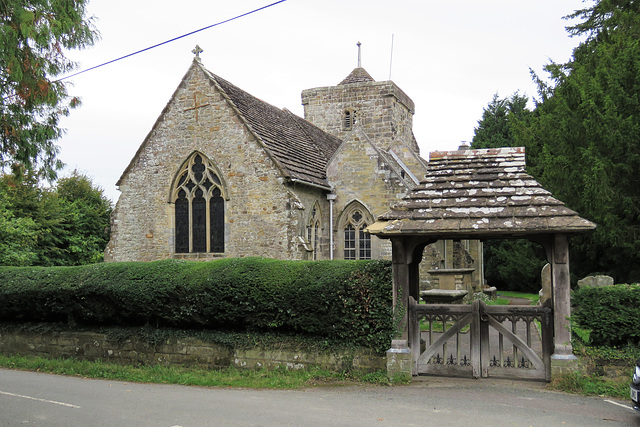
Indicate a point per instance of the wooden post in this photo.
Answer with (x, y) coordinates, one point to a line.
(414, 343)
(401, 294)
(547, 339)
(414, 275)
(485, 354)
(476, 364)
(562, 349)
(407, 254)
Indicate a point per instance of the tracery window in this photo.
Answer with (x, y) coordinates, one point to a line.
(313, 231)
(199, 208)
(357, 242)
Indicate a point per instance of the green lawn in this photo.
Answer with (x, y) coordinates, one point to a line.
(499, 301)
(534, 298)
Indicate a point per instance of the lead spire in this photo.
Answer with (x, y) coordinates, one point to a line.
(359, 57)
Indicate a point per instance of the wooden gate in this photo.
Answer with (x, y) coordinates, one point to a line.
(481, 340)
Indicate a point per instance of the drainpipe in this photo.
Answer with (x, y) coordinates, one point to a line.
(331, 197)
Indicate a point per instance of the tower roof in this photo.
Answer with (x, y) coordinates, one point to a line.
(358, 75)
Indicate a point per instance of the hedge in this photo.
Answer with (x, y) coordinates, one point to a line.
(348, 301)
(611, 314)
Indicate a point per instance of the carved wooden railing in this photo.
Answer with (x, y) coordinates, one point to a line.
(463, 344)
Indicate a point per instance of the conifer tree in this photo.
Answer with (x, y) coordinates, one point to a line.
(34, 35)
(584, 137)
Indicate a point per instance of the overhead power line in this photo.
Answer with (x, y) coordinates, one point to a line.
(172, 40)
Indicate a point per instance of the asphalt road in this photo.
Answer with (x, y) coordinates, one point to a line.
(35, 399)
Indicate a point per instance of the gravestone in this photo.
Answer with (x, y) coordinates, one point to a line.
(545, 276)
(597, 281)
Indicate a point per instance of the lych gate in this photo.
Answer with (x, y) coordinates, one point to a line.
(481, 194)
(480, 340)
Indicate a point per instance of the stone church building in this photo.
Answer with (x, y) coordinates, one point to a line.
(225, 174)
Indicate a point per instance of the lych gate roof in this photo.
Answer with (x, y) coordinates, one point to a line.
(478, 193)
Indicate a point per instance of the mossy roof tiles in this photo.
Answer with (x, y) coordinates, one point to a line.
(300, 148)
(483, 193)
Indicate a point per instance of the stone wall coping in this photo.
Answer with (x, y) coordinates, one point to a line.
(445, 292)
(451, 270)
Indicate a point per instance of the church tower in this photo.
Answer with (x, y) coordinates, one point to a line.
(381, 109)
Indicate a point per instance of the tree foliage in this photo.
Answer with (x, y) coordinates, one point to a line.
(88, 214)
(514, 265)
(18, 236)
(495, 129)
(611, 314)
(33, 37)
(67, 224)
(603, 18)
(583, 137)
(509, 264)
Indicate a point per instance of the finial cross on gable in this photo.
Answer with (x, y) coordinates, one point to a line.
(197, 51)
(196, 106)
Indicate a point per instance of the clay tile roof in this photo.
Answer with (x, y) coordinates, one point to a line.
(358, 75)
(484, 193)
(300, 148)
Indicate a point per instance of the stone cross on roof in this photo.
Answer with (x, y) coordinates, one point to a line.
(197, 51)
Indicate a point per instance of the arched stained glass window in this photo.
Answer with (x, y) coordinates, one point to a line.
(199, 208)
(357, 242)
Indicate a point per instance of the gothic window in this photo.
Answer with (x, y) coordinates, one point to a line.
(357, 242)
(199, 208)
(348, 119)
(313, 231)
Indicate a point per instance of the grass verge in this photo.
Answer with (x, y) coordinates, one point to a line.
(604, 371)
(591, 385)
(231, 377)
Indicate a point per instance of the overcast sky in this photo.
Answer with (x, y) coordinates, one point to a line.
(449, 56)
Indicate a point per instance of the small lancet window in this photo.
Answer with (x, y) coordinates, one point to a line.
(348, 119)
(314, 230)
(199, 208)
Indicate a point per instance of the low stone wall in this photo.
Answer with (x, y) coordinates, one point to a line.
(177, 351)
(614, 369)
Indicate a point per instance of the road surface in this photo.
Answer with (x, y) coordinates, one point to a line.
(36, 399)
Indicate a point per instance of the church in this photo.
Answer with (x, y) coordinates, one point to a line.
(225, 174)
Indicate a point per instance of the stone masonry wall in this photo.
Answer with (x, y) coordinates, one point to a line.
(384, 116)
(258, 209)
(382, 109)
(359, 174)
(176, 351)
(306, 198)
